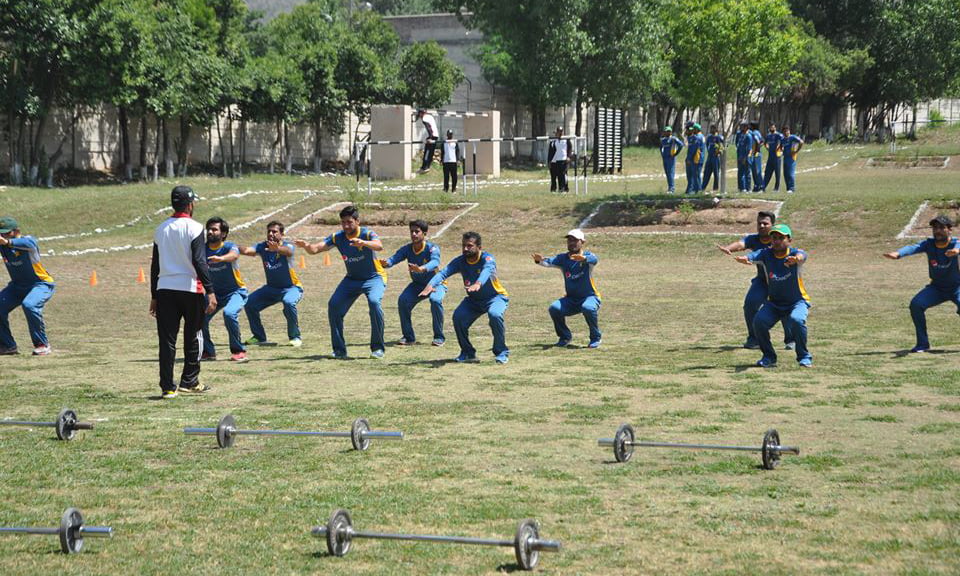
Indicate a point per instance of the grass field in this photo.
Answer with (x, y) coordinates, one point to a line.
(875, 490)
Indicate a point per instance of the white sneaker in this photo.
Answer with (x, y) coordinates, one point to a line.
(789, 191)
(296, 342)
(42, 350)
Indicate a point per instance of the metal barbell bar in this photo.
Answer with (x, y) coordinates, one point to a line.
(770, 449)
(66, 424)
(72, 530)
(227, 431)
(527, 545)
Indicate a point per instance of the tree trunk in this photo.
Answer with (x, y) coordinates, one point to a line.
(273, 148)
(317, 152)
(125, 160)
(184, 147)
(141, 169)
(167, 158)
(223, 157)
(579, 105)
(233, 161)
(288, 157)
(243, 145)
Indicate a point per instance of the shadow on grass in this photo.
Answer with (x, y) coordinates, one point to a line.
(903, 353)
(718, 349)
(512, 567)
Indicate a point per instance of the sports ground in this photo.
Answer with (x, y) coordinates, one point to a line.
(876, 488)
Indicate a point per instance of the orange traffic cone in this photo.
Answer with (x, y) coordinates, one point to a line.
(303, 262)
(326, 259)
(141, 278)
(93, 278)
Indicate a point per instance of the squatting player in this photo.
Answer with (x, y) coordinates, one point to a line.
(228, 285)
(30, 287)
(582, 295)
(283, 285)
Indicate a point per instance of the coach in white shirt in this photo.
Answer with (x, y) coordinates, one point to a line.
(560, 151)
(180, 288)
(430, 142)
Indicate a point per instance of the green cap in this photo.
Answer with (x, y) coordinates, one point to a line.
(696, 126)
(782, 229)
(8, 224)
(668, 129)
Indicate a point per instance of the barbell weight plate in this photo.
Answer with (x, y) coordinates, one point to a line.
(71, 541)
(225, 436)
(527, 558)
(338, 533)
(65, 421)
(360, 425)
(771, 457)
(621, 449)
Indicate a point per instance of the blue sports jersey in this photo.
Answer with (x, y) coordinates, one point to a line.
(428, 258)
(22, 259)
(944, 271)
(757, 142)
(277, 267)
(362, 263)
(790, 145)
(577, 276)
(744, 143)
(670, 146)
(225, 275)
(695, 146)
(714, 144)
(754, 242)
(483, 270)
(784, 283)
(774, 142)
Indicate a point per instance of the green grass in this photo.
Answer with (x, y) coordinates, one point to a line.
(875, 488)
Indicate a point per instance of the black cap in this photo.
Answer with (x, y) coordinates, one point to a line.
(449, 133)
(182, 195)
(942, 220)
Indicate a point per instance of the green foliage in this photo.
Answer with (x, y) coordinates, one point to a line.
(427, 77)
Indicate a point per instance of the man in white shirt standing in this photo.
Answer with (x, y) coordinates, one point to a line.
(451, 159)
(560, 151)
(430, 143)
(180, 288)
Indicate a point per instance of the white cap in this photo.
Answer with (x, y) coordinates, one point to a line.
(576, 233)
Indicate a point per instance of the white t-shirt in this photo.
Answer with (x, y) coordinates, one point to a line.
(560, 151)
(430, 125)
(450, 151)
(174, 239)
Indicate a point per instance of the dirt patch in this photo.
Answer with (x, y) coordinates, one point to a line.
(697, 215)
(921, 224)
(907, 162)
(387, 220)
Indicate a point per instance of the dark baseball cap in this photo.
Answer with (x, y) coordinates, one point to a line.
(8, 224)
(183, 195)
(942, 220)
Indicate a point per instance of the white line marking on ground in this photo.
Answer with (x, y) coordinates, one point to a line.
(913, 222)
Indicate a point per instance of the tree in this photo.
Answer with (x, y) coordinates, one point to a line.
(427, 77)
(276, 94)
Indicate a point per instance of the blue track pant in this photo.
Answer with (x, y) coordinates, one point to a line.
(669, 169)
(794, 319)
(773, 167)
(756, 168)
(744, 170)
(755, 298)
(929, 297)
(694, 182)
(231, 304)
(566, 306)
(790, 172)
(467, 313)
(408, 300)
(32, 297)
(267, 296)
(343, 298)
(712, 168)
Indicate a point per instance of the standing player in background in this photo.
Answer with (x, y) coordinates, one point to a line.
(30, 287)
(744, 143)
(559, 153)
(581, 295)
(757, 155)
(694, 162)
(670, 146)
(282, 285)
(430, 142)
(791, 147)
(228, 285)
(451, 159)
(485, 295)
(423, 261)
(714, 143)
(773, 142)
(941, 251)
(365, 276)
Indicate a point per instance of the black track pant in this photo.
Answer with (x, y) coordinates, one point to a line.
(450, 174)
(173, 306)
(428, 147)
(558, 175)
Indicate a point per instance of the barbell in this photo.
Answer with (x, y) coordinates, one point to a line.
(770, 449)
(71, 531)
(66, 424)
(227, 431)
(526, 543)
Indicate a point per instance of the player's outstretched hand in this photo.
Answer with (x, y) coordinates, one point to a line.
(475, 287)
(952, 252)
(892, 255)
(215, 259)
(426, 291)
(272, 246)
(578, 257)
(725, 250)
(415, 269)
(792, 260)
(301, 243)
(743, 259)
(211, 303)
(537, 258)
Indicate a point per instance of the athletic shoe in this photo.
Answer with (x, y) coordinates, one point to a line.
(4, 351)
(913, 350)
(339, 356)
(405, 342)
(789, 191)
(253, 341)
(463, 358)
(562, 343)
(168, 394)
(239, 357)
(791, 345)
(376, 354)
(42, 350)
(751, 344)
(806, 363)
(205, 357)
(502, 358)
(296, 342)
(776, 190)
(198, 389)
(766, 363)
(438, 342)
(595, 344)
(423, 171)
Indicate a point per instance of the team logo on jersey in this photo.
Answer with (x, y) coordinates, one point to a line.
(488, 258)
(567, 273)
